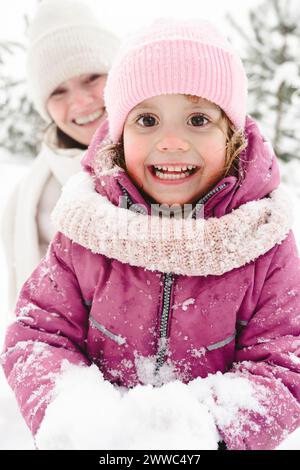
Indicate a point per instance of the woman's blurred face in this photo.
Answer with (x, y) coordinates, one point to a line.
(77, 106)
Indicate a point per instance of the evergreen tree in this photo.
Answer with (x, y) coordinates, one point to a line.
(20, 125)
(272, 61)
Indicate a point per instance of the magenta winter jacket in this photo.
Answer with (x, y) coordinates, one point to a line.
(236, 310)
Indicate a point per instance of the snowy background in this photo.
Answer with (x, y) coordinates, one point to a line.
(121, 17)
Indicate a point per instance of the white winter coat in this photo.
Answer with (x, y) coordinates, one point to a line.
(26, 226)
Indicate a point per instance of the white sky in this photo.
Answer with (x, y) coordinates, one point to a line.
(122, 16)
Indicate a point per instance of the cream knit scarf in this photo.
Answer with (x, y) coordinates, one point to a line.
(194, 247)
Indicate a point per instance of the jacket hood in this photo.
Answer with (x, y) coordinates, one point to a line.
(258, 172)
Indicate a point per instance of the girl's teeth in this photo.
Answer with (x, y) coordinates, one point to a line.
(182, 171)
(175, 168)
(86, 119)
(165, 176)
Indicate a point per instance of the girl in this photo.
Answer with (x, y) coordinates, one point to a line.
(68, 59)
(209, 296)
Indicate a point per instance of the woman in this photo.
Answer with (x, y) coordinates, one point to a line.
(68, 59)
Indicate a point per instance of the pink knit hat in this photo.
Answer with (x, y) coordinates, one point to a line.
(176, 56)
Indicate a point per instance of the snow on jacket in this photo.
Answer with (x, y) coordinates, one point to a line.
(95, 299)
(26, 227)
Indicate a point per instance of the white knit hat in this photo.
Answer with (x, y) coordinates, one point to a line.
(66, 40)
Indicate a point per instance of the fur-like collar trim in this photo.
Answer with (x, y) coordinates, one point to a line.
(194, 247)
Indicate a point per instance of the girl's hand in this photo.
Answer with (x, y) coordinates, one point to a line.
(88, 412)
(83, 413)
(166, 417)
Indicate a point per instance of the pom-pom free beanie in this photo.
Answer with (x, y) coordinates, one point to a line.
(66, 39)
(176, 56)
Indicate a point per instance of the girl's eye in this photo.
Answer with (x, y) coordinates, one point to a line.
(146, 120)
(198, 120)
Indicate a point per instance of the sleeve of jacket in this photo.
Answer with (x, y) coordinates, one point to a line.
(49, 328)
(267, 357)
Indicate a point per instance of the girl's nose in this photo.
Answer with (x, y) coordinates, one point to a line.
(172, 143)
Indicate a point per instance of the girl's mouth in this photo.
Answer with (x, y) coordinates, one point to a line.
(89, 119)
(175, 173)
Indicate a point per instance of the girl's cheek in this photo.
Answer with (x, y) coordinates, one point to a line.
(214, 153)
(135, 157)
(134, 151)
(134, 170)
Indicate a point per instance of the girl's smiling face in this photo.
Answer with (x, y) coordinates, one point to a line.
(77, 106)
(174, 148)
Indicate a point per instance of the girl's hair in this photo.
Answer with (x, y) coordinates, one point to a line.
(236, 142)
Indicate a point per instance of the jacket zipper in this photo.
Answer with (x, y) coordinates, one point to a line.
(209, 195)
(168, 280)
(166, 304)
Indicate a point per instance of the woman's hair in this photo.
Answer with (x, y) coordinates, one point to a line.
(66, 142)
(63, 141)
(236, 142)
